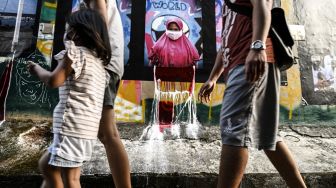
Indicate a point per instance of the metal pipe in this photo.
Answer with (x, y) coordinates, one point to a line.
(17, 26)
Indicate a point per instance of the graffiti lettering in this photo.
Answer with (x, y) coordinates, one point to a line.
(171, 5)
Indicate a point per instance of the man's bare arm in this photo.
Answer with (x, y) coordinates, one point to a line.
(261, 19)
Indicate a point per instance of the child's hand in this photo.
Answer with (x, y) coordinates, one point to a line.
(31, 67)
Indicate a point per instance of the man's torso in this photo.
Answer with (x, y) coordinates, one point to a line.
(237, 37)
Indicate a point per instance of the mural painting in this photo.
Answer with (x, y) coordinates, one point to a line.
(307, 93)
(8, 14)
(26, 94)
(159, 11)
(219, 22)
(46, 29)
(8, 17)
(125, 8)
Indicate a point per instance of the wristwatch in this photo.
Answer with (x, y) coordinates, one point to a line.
(258, 45)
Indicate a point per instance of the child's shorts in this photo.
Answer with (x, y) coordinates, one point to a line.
(67, 151)
(111, 89)
(250, 111)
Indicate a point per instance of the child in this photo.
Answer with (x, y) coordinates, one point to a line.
(108, 132)
(81, 78)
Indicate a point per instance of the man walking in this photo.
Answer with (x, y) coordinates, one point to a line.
(250, 108)
(108, 131)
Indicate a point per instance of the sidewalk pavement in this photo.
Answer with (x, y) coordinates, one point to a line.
(171, 163)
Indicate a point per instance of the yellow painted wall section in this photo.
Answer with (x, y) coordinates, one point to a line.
(290, 95)
(45, 47)
(288, 7)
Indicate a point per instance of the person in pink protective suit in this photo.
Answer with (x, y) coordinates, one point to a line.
(173, 49)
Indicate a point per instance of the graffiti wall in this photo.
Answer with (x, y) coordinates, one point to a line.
(294, 108)
(27, 96)
(219, 22)
(159, 11)
(307, 89)
(156, 14)
(8, 12)
(125, 9)
(314, 28)
(46, 29)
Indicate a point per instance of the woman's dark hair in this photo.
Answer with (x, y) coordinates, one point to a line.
(88, 29)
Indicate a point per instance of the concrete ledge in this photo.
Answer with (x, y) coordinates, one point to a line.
(170, 163)
(260, 180)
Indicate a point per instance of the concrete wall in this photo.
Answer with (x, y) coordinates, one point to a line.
(315, 34)
(315, 51)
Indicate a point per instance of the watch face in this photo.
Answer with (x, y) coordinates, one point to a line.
(258, 45)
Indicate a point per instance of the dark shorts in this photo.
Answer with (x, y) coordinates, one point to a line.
(250, 112)
(111, 90)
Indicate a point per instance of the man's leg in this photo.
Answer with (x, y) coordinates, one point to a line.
(115, 150)
(71, 177)
(51, 174)
(232, 166)
(283, 161)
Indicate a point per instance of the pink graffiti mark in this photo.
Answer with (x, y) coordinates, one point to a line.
(4, 87)
(149, 16)
(149, 41)
(148, 37)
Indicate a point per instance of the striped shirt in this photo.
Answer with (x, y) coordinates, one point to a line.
(81, 96)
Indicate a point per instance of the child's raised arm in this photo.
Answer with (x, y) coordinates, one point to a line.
(55, 78)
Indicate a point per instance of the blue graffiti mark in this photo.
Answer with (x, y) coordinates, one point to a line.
(125, 9)
(219, 5)
(125, 4)
(192, 4)
(170, 5)
(148, 5)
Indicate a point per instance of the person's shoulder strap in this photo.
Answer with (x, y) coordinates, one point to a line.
(244, 10)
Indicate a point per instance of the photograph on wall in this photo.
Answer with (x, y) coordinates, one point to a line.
(323, 69)
(159, 11)
(317, 52)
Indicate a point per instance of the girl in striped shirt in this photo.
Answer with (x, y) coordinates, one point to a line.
(81, 78)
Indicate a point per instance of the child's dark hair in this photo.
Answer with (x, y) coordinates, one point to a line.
(88, 29)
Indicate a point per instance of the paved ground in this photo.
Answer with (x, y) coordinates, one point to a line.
(170, 163)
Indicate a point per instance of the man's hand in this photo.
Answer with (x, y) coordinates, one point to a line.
(205, 91)
(255, 65)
